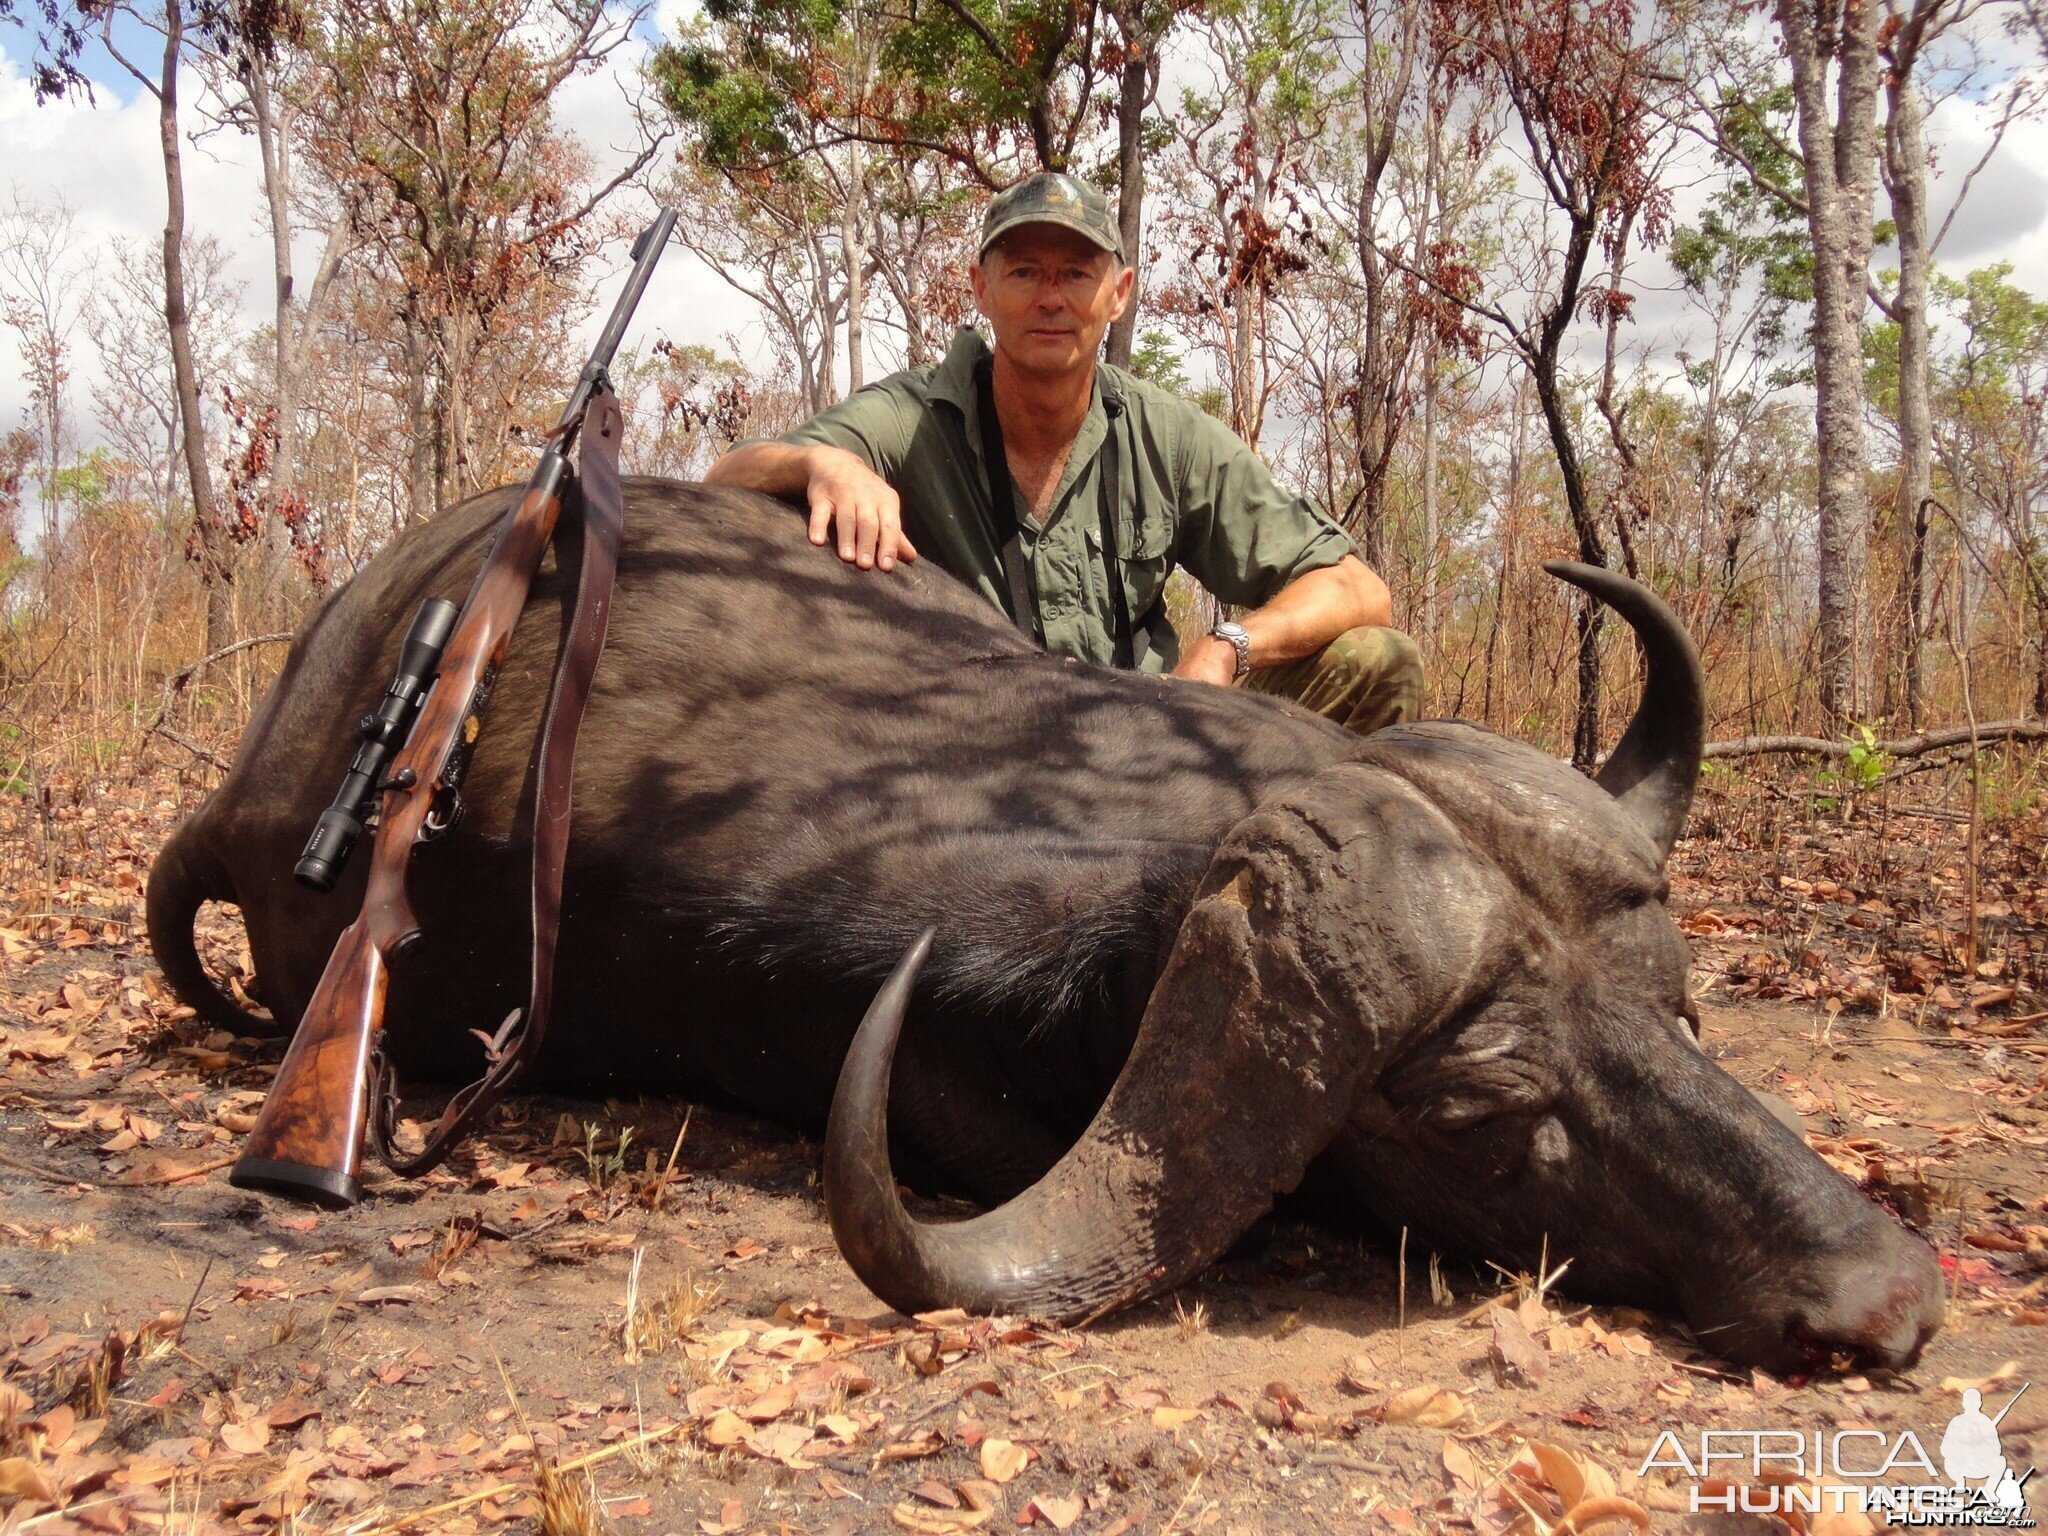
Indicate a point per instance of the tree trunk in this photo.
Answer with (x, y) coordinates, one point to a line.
(1906, 168)
(1432, 532)
(854, 247)
(1130, 166)
(1592, 550)
(1543, 367)
(419, 427)
(273, 145)
(1839, 149)
(213, 540)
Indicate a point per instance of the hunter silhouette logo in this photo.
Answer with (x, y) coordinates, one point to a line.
(1778, 1471)
(1971, 1453)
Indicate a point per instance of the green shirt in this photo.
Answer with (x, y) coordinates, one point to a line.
(1189, 492)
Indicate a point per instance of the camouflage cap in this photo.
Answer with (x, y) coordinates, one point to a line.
(1052, 198)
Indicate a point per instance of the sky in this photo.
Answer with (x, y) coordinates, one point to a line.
(101, 157)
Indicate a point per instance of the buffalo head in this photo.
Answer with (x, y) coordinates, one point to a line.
(1446, 971)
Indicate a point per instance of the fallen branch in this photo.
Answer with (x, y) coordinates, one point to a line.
(1903, 746)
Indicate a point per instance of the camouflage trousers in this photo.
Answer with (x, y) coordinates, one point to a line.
(1364, 679)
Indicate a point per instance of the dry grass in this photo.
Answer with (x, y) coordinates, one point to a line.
(654, 1323)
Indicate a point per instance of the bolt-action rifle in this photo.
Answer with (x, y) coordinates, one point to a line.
(336, 1088)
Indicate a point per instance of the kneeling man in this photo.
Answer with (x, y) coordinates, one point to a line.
(1065, 490)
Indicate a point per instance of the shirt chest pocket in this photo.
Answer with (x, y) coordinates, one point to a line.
(1144, 536)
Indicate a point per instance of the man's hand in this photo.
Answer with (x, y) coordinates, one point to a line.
(1209, 660)
(838, 487)
(868, 513)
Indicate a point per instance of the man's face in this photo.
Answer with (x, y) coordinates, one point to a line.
(1050, 296)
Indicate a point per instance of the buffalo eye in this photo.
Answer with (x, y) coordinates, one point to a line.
(1485, 1072)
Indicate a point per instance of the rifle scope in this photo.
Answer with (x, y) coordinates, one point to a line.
(383, 731)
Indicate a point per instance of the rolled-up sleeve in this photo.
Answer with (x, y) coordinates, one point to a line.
(1242, 536)
(874, 422)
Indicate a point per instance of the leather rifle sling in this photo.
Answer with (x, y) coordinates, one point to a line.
(600, 503)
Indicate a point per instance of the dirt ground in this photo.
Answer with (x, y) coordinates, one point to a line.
(631, 1316)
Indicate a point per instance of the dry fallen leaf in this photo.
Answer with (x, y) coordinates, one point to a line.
(1961, 1384)
(731, 1516)
(1052, 1510)
(929, 1521)
(1429, 1407)
(726, 1428)
(245, 1438)
(1003, 1460)
(1515, 1350)
(929, 1443)
(22, 1480)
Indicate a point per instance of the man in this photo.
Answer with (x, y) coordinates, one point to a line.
(1066, 492)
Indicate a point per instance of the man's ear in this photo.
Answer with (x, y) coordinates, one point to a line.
(1126, 280)
(977, 276)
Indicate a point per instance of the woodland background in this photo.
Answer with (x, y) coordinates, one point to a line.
(1398, 245)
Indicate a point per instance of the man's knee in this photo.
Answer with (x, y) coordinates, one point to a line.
(1378, 673)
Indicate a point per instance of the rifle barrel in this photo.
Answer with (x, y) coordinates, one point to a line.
(647, 251)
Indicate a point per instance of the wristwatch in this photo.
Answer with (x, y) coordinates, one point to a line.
(1240, 642)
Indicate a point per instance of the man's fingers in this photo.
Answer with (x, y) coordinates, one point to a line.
(892, 545)
(821, 518)
(867, 532)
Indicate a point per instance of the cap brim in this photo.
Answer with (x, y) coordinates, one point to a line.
(1093, 237)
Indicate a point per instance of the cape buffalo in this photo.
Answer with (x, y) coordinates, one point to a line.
(1191, 944)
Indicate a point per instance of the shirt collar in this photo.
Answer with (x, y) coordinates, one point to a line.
(953, 379)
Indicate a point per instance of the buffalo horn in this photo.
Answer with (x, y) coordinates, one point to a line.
(1653, 770)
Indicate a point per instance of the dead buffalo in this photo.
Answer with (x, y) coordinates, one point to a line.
(1191, 944)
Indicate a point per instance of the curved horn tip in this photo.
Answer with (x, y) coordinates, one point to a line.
(1653, 767)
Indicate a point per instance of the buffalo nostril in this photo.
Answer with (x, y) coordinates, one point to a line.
(1881, 1315)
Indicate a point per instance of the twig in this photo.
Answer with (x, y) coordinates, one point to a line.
(179, 738)
(1186, 1499)
(175, 684)
(54, 1177)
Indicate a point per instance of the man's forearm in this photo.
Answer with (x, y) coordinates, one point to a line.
(1314, 609)
(777, 469)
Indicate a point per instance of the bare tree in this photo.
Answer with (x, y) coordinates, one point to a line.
(42, 282)
(434, 129)
(214, 538)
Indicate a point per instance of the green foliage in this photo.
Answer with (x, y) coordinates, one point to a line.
(86, 484)
(1865, 764)
(736, 98)
(1744, 229)
(1156, 360)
